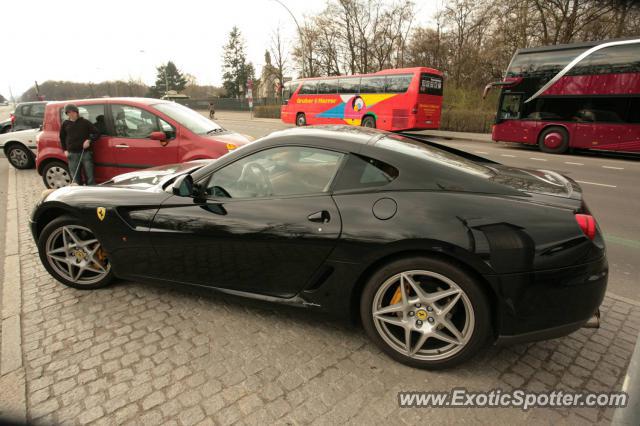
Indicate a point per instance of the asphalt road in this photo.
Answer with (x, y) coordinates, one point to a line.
(611, 188)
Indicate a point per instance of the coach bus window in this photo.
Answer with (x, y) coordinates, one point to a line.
(398, 83)
(289, 88)
(615, 59)
(372, 85)
(541, 63)
(327, 87)
(349, 85)
(308, 88)
(510, 107)
(634, 111)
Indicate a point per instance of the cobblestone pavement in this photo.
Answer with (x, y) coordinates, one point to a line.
(135, 353)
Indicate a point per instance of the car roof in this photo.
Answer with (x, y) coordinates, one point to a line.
(417, 172)
(31, 103)
(327, 135)
(126, 100)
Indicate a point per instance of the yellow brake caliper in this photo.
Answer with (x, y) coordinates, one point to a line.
(397, 296)
(101, 255)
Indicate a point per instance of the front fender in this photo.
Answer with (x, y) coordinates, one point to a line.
(48, 154)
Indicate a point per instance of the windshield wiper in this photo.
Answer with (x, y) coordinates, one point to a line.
(220, 129)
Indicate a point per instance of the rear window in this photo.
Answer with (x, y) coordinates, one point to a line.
(431, 84)
(423, 151)
(37, 110)
(365, 172)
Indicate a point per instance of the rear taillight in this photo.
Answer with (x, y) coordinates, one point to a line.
(588, 225)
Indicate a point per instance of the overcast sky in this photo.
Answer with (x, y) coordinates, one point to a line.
(97, 40)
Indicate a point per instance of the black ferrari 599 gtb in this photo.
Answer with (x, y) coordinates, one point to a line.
(437, 252)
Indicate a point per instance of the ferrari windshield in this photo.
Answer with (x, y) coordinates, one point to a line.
(190, 119)
(150, 177)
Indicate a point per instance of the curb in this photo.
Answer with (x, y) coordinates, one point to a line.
(12, 377)
(630, 415)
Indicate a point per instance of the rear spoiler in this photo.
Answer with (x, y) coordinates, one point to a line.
(458, 152)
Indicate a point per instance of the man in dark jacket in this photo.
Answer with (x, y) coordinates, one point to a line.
(77, 136)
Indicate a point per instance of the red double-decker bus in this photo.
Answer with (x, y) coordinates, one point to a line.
(584, 95)
(393, 99)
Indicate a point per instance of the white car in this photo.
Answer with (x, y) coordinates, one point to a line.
(20, 147)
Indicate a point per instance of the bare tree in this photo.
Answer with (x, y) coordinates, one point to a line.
(279, 58)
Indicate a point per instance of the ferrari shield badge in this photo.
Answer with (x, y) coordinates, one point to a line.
(101, 212)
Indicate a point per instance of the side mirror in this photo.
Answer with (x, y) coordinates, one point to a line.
(183, 186)
(158, 136)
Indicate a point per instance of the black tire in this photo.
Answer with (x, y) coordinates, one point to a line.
(301, 119)
(20, 156)
(369, 121)
(58, 168)
(476, 336)
(49, 229)
(550, 146)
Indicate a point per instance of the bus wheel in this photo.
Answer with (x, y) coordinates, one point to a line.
(301, 119)
(554, 140)
(369, 121)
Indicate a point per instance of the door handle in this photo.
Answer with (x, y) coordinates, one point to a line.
(122, 146)
(320, 217)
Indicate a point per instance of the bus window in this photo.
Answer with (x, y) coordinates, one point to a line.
(372, 85)
(326, 87)
(634, 111)
(398, 83)
(546, 63)
(510, 106)
(289, 88)
(615, 59)
(349, 85)
(308, 88)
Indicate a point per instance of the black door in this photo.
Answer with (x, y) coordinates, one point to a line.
(268, 224)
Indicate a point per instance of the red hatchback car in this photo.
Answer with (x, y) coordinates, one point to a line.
(136, 133)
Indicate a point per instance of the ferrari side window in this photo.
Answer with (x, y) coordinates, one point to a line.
(365, 172)
(280, 171)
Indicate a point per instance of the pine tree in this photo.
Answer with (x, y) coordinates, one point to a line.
(236, 70)
(168, 78)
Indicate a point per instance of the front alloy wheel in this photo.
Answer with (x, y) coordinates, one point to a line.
(426, 313)
(73, 255)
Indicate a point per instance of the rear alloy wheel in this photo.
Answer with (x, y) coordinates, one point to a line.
(301, 119)
(73, 255)
(56, 175)
(425, 313)
(554, 140)
(20, 157)
(369, 121)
